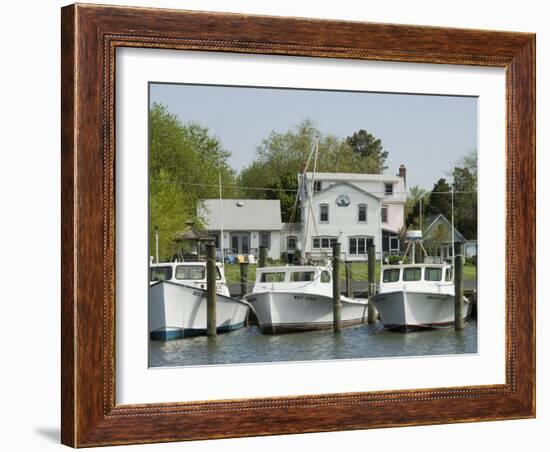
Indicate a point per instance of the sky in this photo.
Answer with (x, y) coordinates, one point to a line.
(426, 133)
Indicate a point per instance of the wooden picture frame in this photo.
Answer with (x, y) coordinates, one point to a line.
(90, 36)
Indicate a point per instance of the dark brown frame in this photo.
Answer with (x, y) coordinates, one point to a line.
(90, 35)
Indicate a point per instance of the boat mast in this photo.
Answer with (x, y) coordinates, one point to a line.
(382, 193)
(157, 244)
(221, 216)
(315, 151)
(453, 222)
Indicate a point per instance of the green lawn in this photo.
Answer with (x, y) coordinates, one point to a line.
(359, 269)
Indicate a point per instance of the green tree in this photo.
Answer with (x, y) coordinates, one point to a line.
(465, 202)
(440, 199)
(370, 149)
(184, 166)
(280, 156)
(417, 198)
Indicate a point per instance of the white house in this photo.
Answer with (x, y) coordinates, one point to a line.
(354, 209)
(247, 225)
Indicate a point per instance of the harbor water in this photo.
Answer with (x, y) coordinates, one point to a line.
(248, 345)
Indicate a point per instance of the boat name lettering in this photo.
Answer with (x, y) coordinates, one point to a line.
(304, 297)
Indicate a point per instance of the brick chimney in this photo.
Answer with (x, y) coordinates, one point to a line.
(403, 173)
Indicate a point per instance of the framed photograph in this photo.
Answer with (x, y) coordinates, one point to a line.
(281, 225)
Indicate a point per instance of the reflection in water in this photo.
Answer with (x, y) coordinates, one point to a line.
(248, 345)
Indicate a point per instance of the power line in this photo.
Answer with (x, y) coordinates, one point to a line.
(295, 190)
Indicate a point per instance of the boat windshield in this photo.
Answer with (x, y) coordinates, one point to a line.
(412, 274)
(325, 276)
(197, 272)
(390, 275)
(272, 277)
(302, 276)
(433, 274)
(160, 273)
(449, 274)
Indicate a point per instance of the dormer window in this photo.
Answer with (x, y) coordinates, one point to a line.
(388, 189)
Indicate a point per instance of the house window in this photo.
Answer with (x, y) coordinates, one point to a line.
(388, 189)
(216, 240)
(265, 239)
(323, 213)
(390, 242)
(291, 243)
(323, 242)
(384, 214)
(358, 245)
(317, 186)
(362, 213)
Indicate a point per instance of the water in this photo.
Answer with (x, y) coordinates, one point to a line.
(248, 345)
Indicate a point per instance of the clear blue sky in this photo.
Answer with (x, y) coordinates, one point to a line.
(425, 133)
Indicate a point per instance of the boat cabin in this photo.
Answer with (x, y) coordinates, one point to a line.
(305, 278)
(187, 273)
(415, 275)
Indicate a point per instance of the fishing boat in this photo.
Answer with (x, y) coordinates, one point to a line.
(413, 297)
(288, 299)
(177, 301)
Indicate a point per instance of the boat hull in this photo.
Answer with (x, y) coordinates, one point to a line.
(288, 312)
(412, 311)
(177, 311)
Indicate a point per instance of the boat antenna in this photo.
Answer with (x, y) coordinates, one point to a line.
(221, 216)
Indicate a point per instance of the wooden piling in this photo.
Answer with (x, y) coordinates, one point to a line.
(210, 289)
(459, 292)
(349, 279)
(337, 303)
(371, 264)
(262, 261)
(244, 278)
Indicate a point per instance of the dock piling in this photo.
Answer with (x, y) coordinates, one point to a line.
(349, 279)
(337, 303)
(371, 264)
(262, 261)
(210, 289)
(459, 292)
(244, 278)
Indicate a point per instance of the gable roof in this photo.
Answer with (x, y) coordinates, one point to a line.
(362, 177)
(432, 220)
(354, 187)
(241, 214)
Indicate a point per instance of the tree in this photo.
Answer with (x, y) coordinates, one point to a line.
(440, 199)
(465, 202)
(418, 198)
(280, 156)
(370, 149)
(184, 166)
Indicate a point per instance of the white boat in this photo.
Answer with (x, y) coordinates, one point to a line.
(299, 298)
(177, 301)
(417, 296)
